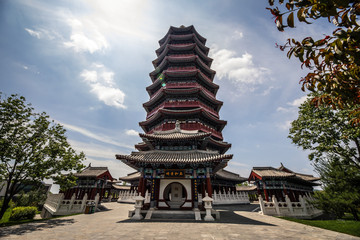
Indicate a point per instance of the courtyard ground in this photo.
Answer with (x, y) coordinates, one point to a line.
(237, 222)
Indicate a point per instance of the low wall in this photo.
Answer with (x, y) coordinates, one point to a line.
(56, 205)
(230, 198)
(302, 209)
(128, 196)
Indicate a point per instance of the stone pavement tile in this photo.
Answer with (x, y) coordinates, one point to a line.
(114, 224)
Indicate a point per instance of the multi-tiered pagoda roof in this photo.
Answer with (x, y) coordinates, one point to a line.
(182, 127)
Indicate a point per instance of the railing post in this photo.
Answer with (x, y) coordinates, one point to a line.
(262, 207)
(83, 204)
(289, 204)
(303, 205)
(72, 202)
(276, 204)
(59, 201)
(97, 198)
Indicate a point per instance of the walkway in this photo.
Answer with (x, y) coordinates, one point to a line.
(237, 222)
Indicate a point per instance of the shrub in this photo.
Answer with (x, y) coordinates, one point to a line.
(21, 213)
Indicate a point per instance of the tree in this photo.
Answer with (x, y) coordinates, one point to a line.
(32, 148)
(341, 185)
(333, 60)
(334, 147)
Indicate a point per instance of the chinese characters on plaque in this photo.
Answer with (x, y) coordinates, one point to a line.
(174, 173)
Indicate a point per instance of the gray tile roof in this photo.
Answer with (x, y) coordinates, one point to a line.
(131, 177)
(224, 174)
(91, 172)
(175, 135)
(270, 172)
(159, 156)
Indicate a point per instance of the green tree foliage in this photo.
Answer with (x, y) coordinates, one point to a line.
(334, 147)
(333, 60)
(35, 198)
(341, 188)
(32, 148)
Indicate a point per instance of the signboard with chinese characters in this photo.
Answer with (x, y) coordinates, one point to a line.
(174, 173)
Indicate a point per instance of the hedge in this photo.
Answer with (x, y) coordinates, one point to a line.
(21, 213)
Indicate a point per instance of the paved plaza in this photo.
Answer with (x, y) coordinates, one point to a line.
(237, 222)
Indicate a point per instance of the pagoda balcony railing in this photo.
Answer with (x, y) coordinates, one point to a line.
(181, 55)
(182, 85)
(188, 84)
(182, 68)
(189, 104)
(188, 126)
(182, 44)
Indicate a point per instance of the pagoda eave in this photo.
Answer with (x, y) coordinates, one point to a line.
(140, 159)
(190, 28)
(168, 112)
(191, 91)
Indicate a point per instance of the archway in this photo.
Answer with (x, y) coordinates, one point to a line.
(175, 195)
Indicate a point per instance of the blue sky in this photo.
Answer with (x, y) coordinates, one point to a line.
(87, 63)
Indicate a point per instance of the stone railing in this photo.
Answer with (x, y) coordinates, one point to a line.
(56, 205)
(302, 209)
(54, 200)
(230, 198)
(128, 196)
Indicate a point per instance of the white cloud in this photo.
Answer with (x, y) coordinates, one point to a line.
(291, 112)
(102, 84)
(96, 136)
(292, 106)
(132, 132)
(33, 33)
(297, 102)
(42, 33)
(94, 150)
(282, 109)
(85, 38)
(238, 34)
(285, 125)
(267, 91)
(240, 71)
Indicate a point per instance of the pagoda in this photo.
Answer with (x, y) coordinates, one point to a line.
(182, 153)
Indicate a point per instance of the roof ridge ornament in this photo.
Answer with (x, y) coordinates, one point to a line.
(177, 125)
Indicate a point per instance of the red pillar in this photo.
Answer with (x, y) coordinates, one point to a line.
(143, 191)
(265, 192)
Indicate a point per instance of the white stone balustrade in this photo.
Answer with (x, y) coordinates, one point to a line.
(230, 198)
(302, 209)
(56, 205)
(129, 197)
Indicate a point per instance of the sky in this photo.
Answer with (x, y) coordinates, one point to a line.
(86, 63)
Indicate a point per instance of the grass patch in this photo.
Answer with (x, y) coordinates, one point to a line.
(5, 222)
(6, 216)
(350, 227)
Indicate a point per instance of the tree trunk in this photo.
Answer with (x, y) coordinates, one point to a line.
(4, 206)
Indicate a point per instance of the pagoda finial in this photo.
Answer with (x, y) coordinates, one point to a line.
(182, 26)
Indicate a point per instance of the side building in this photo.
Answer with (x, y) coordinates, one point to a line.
(281, 181)
(93, 185)
(283, 192)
